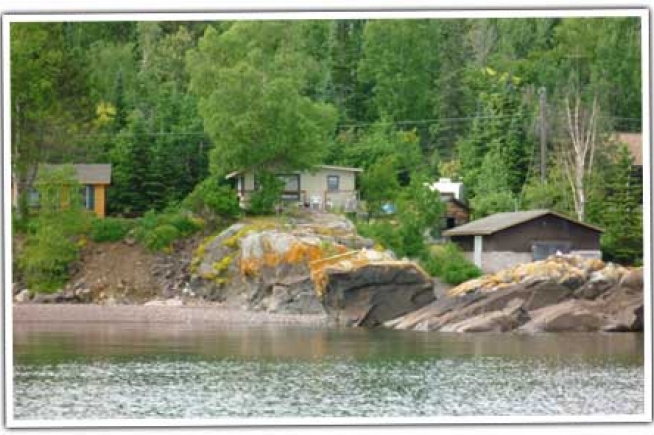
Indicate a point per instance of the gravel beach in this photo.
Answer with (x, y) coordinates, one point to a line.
(92, 313)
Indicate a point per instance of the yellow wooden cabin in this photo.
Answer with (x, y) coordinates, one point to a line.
(93, 179)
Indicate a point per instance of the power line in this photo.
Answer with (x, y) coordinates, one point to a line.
(350, 125)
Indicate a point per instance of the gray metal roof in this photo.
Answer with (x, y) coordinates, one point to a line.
(500, 221)
(86, 173)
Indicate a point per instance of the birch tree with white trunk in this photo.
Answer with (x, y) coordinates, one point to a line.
(578, 150)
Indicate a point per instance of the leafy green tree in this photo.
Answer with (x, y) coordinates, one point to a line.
(345, 50)
(554, 194)
(400, 66)
(379, 184)
(420, 211)
(36, 61)
(250, 83)
(499, 126)
(493, 193)
(380, 140)
(211, 198)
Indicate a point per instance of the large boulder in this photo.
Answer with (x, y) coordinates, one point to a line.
(262, 264)
(361, 291)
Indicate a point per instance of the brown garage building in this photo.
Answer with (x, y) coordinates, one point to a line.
(505, 239)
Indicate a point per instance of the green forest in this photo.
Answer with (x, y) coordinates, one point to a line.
(175, 106)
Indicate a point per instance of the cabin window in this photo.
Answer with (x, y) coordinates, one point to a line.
(333, 182)
(33, 199)
(291, 186)
(87, 196)
(542, 250)
(450, 222)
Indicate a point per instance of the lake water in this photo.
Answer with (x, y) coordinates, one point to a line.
(95, 371)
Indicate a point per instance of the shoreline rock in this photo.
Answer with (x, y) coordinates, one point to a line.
(562, 293)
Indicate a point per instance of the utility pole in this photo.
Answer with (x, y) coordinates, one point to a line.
(542, 92)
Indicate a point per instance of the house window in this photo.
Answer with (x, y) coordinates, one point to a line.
(33, 199)
(332, 183)
(450, 222)
(291, 186)
(87, 196)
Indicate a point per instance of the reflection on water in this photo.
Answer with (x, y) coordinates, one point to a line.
(118, 371)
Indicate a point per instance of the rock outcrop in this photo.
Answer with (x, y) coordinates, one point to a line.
(368, 288)
(263, 264)
(562, 293)
(313, 265)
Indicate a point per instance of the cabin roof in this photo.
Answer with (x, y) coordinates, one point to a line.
(332, 167)
(500, 221)
(86, 173)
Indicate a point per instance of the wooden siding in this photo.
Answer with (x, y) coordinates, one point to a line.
(100, 197)
(521, 237)
(548, 228)
(460, 214)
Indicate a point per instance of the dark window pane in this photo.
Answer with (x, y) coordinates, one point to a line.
(332, 182)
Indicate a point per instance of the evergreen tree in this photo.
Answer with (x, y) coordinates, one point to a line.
(622, 216)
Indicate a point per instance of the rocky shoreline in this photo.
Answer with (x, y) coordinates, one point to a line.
(560, 294)
(318, 269)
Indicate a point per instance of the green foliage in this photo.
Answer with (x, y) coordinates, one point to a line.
(209, 197)
(384, 233)
(622, 212)
(419, 210)
(157, 231)
(46, 257)
(493, 192)
(401, 63)
(379, 184)
(251, 81)
(110, 229)
(183, 223)
(161, 238)
(159, 100)
(263, 200)
(494, 155)
(554, 194)
(54, 237)
(448, 263)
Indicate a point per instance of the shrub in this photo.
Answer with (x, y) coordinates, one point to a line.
(52, 243)
(448, 263)
(109, 229)
(209, 197)
(384, 233)
(263, 201)
(19, 225)
(44, 261)
(184, 224)
(161, 238)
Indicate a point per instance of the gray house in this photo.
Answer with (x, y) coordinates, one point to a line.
(505, 239)
(324, 187)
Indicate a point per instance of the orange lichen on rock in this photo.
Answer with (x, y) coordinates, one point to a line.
(559, 268)
(249, 267)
